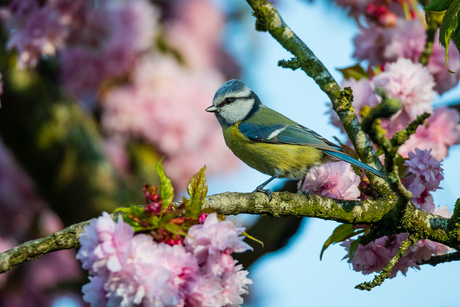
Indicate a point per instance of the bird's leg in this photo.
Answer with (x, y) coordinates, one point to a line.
(267, 192)
(300, 191)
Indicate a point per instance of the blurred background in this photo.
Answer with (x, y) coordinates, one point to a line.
(95, 93)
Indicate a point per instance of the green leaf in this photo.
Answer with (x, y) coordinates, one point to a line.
(353, 246)
(356, 72)
(174, 229)
(448, 25)
(341, 233)
(132, 223)
(132, 210)
(438, 5)
(197, 189)
(167, 190)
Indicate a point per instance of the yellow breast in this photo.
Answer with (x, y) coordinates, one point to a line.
(283, 160)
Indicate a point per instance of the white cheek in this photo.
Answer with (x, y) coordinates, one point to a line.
(237, 111)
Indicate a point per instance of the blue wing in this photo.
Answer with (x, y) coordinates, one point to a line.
(286, 134)
(297, 134)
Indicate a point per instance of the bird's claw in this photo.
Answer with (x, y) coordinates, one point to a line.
(304, 192)
(267, 192)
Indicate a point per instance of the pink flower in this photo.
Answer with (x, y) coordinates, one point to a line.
(425, 177)
(409, 82)
(333, 179)
(412, 84)
(370, 258)
(212, 243)
(196, 32)
(370, 45)
(105, 245)
(423, 250)
(94, 292)
(207, 292)
(106, 45)
(380, 45)
(423, 164)
(221, 291)
(441, 131)
(405, 40)
(35, 31)
(443, 211)
(444, 79)
(164, 107)
(234, 284)
(421, 196)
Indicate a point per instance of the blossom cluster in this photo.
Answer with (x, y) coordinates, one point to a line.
(333, 179)
(423, 176)
(107, 40)
(128, 269)
(149, 72)
(392, 43)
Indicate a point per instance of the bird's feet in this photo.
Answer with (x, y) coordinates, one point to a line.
(305, 192)
(267, 192)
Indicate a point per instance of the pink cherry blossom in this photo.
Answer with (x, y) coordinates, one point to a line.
(423, 250)
(442, 130)
(443, 211)
(106, 45)
(370, 258)
(380, 45)
(159, 107)
(212, 243)
(333, 179)
(405, 40)
(94, 292)
(154, 275)
(196, 32)
(105, 245)
(423, 164)
(234, 284)
(412, 84)
(35, 31)
(370, 45)
(409, 82)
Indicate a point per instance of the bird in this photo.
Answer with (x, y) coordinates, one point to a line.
(269, 141)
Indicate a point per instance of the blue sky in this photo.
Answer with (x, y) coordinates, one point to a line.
(295, 276)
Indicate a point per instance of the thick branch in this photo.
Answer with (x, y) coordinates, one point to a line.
(283, 204)
(35, 249)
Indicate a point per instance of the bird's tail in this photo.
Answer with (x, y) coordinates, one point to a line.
(347, 158)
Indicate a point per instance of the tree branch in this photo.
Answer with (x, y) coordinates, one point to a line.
(283, 204)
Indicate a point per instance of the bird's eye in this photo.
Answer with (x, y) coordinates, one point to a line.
(229, 100)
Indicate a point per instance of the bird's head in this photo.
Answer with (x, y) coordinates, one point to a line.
(234, 101)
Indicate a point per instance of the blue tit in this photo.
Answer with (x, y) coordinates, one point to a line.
(269, 141)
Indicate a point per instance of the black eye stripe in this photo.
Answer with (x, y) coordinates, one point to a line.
(230, 100)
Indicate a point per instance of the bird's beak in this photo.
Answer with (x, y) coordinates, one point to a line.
(211, 109)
